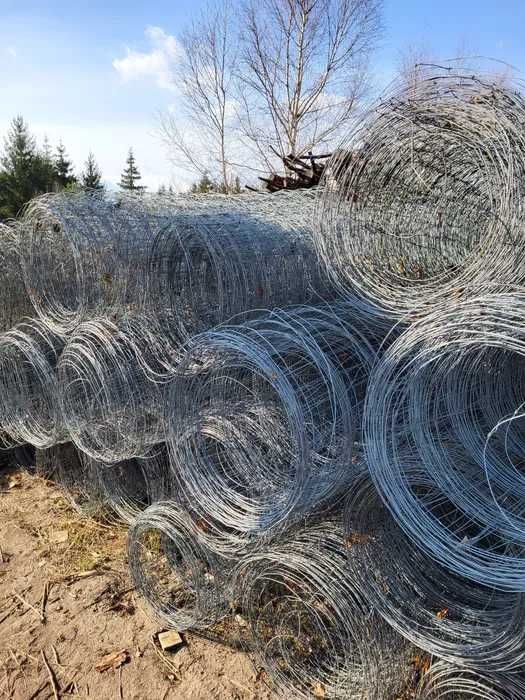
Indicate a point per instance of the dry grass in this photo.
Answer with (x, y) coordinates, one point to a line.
(75, 543)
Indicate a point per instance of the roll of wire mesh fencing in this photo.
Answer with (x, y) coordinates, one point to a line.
(447, 616)
(16, 304)
(222, 255)
(129, 487)
(29, 405)
(203, 256)
(425, 197)
(313, 632)
(111, 375)
(443, 429)
(445, 681)
(185, 583)
(85, 254)
(262, 417)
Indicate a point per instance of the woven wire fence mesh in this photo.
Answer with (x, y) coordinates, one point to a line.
(307, 407)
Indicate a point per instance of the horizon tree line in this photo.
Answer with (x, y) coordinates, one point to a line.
(28, 170)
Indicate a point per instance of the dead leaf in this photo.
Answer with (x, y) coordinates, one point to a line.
(113, 661)
(319, 691)
(442, 614)
(357, 538)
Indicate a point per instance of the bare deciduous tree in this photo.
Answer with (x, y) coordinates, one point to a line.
(268, 78)
(304, 69)
(198, 130)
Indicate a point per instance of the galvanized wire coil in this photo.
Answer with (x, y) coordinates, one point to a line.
(203, 257)
(425, 198)
(111, 375)
(220, 256)
(86, 254)
(438, 611)
(129, 487)
(262, 416)
(29, 405)
(16, 304)
(443, 429)
(313, 632)
(454, 682)
(173, 568)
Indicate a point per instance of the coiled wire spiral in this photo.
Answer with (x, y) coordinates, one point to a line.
(425, 199)
(313, 632)
(29, 403)
(198, 258)
(111, 375)
(438, 611)
(16, 305)
(261, 418)
(443, 429)
(221, 256)
(171, 564)
(129, 487)
(444, 681)
(86, 254)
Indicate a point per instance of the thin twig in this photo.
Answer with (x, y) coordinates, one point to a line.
(45, 594)
(52, 677)
(31, 607)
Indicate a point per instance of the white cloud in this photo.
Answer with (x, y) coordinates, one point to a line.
(156, 64)
(11, 51)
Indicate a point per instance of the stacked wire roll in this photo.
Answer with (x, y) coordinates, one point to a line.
(262, 418)
(29, 410)
(194, 259)
(443, 429)
(334, 483)
(426, 200)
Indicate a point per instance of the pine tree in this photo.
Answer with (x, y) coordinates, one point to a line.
(91, 178)
(18, 169)
(63, 168)
(162, 190)
(131, 175)
(46, 167)
(204, 185)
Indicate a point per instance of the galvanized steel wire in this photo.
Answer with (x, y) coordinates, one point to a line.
(425, 198)
(336, 483)
(262, 417)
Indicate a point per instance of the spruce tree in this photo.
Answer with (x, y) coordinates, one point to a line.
(162, 190)
(19, 166)
(63, 168)
(131, 175)
(91, 178)
(46, 168)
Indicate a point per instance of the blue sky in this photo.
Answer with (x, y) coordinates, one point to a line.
(93, 74)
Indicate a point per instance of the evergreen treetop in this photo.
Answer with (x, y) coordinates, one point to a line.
(63, 168)
(91, 177)
(131, 176)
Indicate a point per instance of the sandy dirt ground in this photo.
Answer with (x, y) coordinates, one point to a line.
(66, 602)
